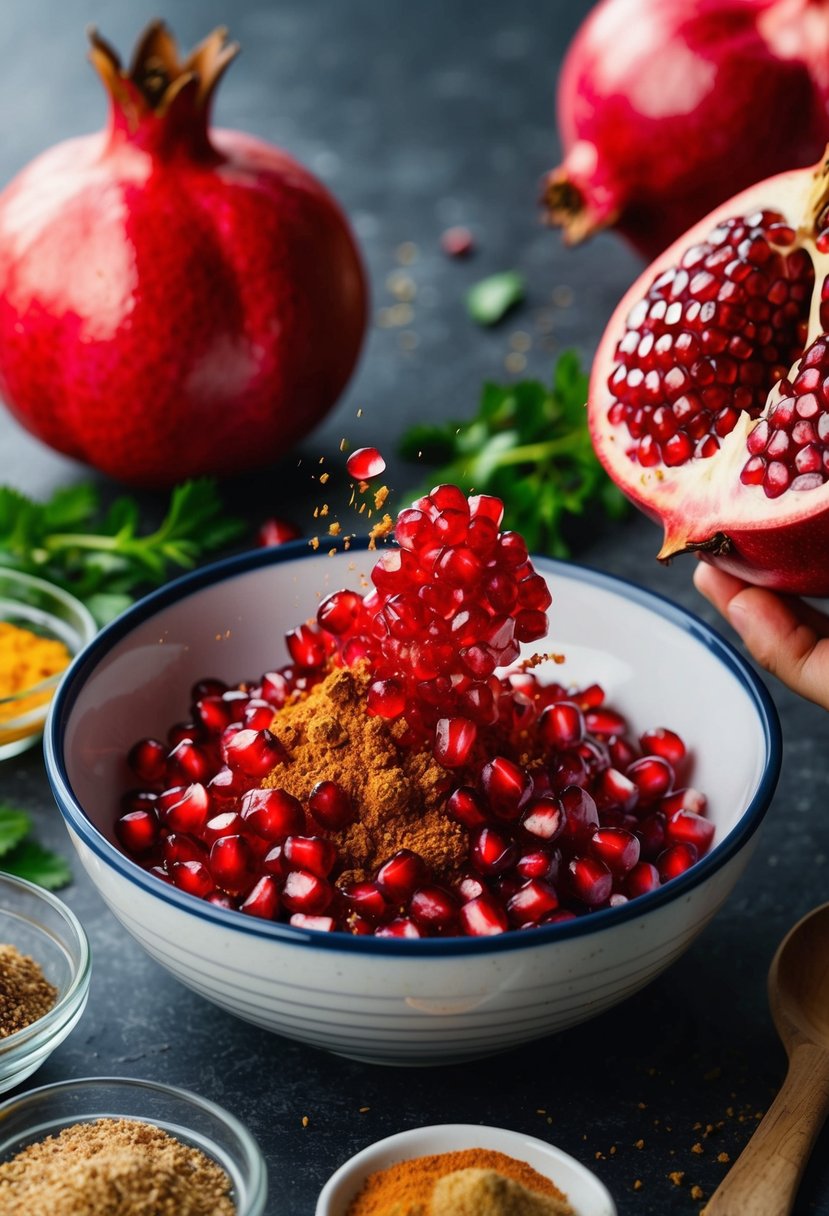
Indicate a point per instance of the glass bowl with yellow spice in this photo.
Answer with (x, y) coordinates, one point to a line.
(42, 628)
(44, 976)
(463, 1169)
(119, 1145)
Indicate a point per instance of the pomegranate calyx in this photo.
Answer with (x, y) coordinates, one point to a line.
(571, 206)
(718, 545)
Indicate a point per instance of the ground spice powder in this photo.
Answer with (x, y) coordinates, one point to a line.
(25, 993)
(408, 1187)
(398, 792)
(113, 1167)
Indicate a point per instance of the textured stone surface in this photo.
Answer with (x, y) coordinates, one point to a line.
(419, 116)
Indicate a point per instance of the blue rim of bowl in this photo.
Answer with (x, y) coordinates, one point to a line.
(592, 922)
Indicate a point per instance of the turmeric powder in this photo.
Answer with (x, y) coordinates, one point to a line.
(26, 660)
(399, 793)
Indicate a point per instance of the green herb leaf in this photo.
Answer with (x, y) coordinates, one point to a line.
(529, 445)
(488, 301)
(30, 860)
(105, 560)
(14, 827)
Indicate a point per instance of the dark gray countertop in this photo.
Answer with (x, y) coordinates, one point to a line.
(419, 116)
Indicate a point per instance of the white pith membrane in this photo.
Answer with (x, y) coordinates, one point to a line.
(700, 502)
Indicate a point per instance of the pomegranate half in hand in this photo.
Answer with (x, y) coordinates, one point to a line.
(709, 397)
(173, 300)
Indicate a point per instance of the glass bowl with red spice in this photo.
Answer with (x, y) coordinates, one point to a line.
(42, 628)
(249, 801)
(102, 1142)
(415, 1166)
(44, 976)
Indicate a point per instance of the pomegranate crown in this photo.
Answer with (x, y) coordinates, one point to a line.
(161, 100)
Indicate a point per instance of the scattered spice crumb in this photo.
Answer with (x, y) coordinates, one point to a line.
(382, 528)
(639, 1144)
(697, 1148)
(343, 445)
(364, 1109)
(637, 1186)
(334, 528)
(676, 1177)
(541, 1111)
(314, 542)
(380, 497)
(324, 478)
(305, 1120)
(697, 1192)
(724, 1158)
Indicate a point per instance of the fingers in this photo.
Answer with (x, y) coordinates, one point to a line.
(787, 637)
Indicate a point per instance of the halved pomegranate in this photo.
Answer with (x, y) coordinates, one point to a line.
(709, 397)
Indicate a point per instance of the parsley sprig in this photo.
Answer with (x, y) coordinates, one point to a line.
(24, 857)
(529, 445)
(100, 555)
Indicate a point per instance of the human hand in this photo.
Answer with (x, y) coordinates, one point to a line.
(785, 635)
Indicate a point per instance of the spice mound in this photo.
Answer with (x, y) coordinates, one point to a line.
(113, 1167)
(25, 993)
(471, 1182)
(26, 660)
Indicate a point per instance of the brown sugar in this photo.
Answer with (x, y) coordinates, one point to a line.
(25, 993)
(398, 792)
(113, 1167)
(410, 1188)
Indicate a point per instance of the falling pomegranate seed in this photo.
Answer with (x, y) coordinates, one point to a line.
(364, 464)
(276, 531)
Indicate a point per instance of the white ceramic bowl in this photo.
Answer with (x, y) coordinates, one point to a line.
(391, 1000)
(586, 1194)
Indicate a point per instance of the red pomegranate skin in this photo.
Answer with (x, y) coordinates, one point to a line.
(174, 303)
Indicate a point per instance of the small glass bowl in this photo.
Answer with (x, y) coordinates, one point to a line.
(50, 612)
(42, 927)
(193, 1120)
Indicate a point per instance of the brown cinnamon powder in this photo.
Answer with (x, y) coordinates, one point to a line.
(113, 1167)
(25, 993)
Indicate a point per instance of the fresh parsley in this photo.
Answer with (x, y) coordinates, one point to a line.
(24, 857)
(100, 555)
(489, 300)
(529, 445)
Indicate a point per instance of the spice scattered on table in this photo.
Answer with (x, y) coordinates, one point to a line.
(470, 1182)
(113, 1167)
(25, 993)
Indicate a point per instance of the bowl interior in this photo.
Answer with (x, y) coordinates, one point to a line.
(656, 663)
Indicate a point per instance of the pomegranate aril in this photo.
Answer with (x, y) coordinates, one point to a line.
(663, 742)
(687, 828)
(434, 908)
(643, 878)
(386, 699)
(365, 463)
(275, 531)
(492, 851)
(466, 806)
(275, 688)
(581, 817)
(483, 917)
(544, 818)
(653, 777)
(369, 901)
(192, 877)
(148, 760)
(187, 762)
(687, 799)
(303, 891)
(180, 847)
(231, 864)
(180, 731)
(213, 714)
(651, 833)
(138, 830)
(454, 740)
(539, 863)
(226, 823)
(506, 787)
(208, 687)
(226, 786)
(306, 647)
(398, 877)
(190, 812)
(272, 814)
(675, 860)
(254, 752)
(321, 924)
(402, 926)
(589, 881)
(605, 722)
(263, 899)
(313, 853)
(534, 900)
(331, 806)
(615, 789)
(340, 612)
(257, 714)
(616, 847)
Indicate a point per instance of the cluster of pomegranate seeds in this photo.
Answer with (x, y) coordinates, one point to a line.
(789, 449)
(710, 339)
(567, 812)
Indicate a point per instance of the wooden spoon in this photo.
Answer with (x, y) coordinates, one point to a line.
(765, 1177)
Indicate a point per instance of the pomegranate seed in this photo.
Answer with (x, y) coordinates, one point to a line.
(652, 776)
(401, 927)
(274, 862)
(365, 463)
(226, 823)
(466, 806)
(220, 900)
(275, 531)
(180, 731)
(605, 722)
(434, 908)
(457, 242)
(254, 752)
(178, 847)
(483, 917)
(615, 789)
(398, 877)
(321, 924)
(581, 817)
(331, 806)
(561, 725)
(621, 752)
(545, 818)
(665, 743)
(192, 877)
(209, 687)
(226, 785)
(231, 864)
(676, 860)
(651, 834)
(272, 814)
(469, 886)
(213, 714)
(685, 827)
(275, 689)
(306, 892)
(454, 740)
(643, 878)
(569, 769)
(540, 863)
(263, 900)
(616, 847)
(506, 787)
(187, 762)
(589, 881)
(684, 800)
(257, 715)
(386, 699)
(369, 901)
(148, 760)
(190, 812)
(492, 851)
(340, 612)
(138, 831)
(306, 647)
(312, 853)
(532, 902)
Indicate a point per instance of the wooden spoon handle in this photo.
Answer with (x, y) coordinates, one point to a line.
(764, 1179)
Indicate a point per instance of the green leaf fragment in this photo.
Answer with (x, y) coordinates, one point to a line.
(489, 300)
(31, 861)
(14, 827)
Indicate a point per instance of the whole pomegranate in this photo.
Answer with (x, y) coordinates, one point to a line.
(174, 300)
(668, 107)
(709, 396)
